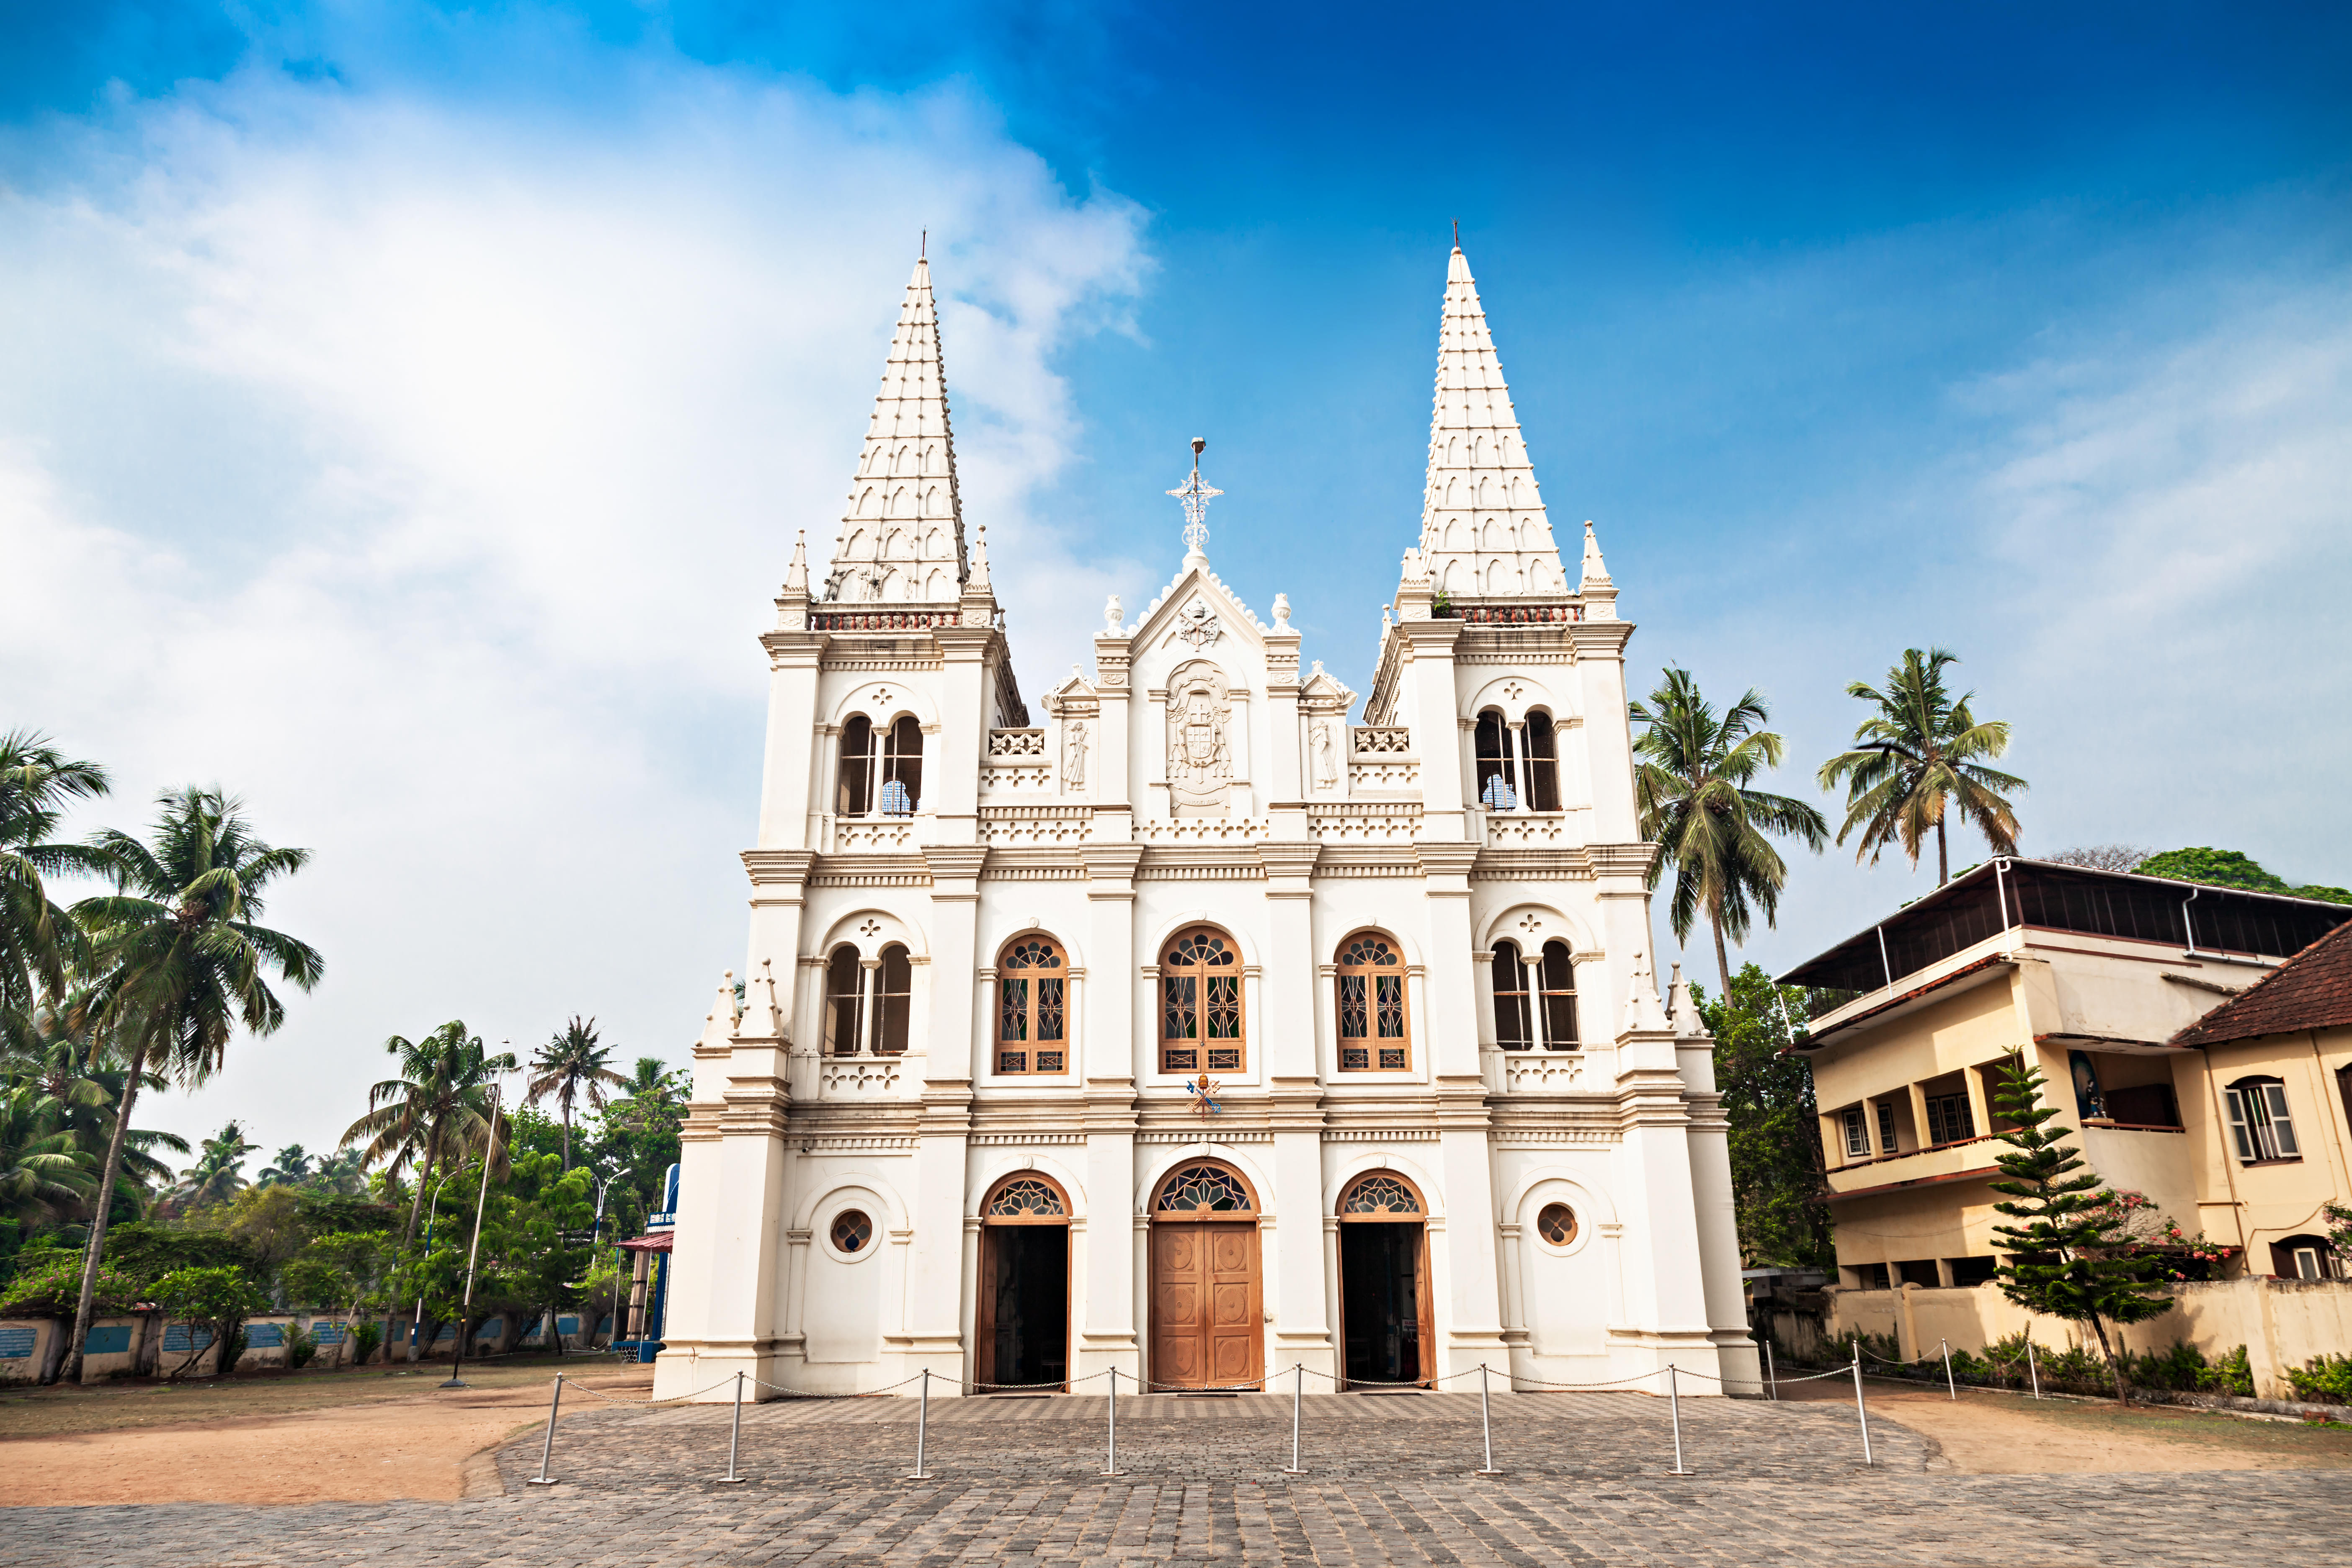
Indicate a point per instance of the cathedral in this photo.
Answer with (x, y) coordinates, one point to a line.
(1190, 1023)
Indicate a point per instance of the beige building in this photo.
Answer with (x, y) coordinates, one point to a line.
(2195, 1063)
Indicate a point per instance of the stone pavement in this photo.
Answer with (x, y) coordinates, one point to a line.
(1390, 1480)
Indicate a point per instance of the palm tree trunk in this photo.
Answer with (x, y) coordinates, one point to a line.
(567, 1135)
(1943, 857)
(72, 1372)
(1722, 958)
(415, 1207)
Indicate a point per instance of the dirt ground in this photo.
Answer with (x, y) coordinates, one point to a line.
(361, 1434)
(1989, 1433)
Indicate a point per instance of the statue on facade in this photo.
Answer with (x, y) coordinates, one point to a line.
(1200, 754)
(1326, 760)
(1074, 755)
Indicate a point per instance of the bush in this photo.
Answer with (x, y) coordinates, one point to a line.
(2232, 1375)
(301, 1345)
(365, 1337)
(51, 1286)
(2325, 1378)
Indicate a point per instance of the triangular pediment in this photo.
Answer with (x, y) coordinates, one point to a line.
(1198, 611)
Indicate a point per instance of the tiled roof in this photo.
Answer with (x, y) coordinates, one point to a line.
(2313, 990)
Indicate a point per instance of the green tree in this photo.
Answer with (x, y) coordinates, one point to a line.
(220, 1298)
(344, 1172)
(79, 1081)
(1691, 783)
(1917, 760)
(37, 938)
(218, 1174)
(42, 1174)
(348, 1270)
(1778, 1182)
(290, 1164)
(573, 1066)
(181, 961)
(2071, 1256)
(2230, 868)
(437, 1108)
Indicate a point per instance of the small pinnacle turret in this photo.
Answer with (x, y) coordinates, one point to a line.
(901, 537)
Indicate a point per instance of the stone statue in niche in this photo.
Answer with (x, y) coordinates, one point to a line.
(1199, 752)
(1326, 760)
(1074, 755)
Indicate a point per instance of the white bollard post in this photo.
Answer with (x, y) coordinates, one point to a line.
(1486, 1422)
(1949, 1386)
(1297, 1389)
(1771, 1376)
(548, 1447)
(2032, 1371)
(735, 1436)
(1675, 1405)
(1110, 1460)
(922, 1426)
(1860, 1414)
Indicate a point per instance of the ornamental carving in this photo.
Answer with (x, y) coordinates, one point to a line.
(1027, 1197)
(1199, 748)
(1379, 1196)
(1197, 624)
(1203, 1189)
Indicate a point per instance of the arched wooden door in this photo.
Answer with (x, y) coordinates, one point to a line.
(1023, 1331)
(1208, 1323)
(1385, 1333)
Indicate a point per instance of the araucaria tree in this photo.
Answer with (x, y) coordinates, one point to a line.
(2069, 1257)
(1917, 760)
(1691, 780)
(573, 1064)
(180, 963)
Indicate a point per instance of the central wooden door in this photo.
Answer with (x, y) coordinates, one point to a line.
(1207, 1329)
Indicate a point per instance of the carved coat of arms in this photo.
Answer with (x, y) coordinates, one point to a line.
(1200, 754)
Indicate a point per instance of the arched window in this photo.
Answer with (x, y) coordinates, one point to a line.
(1543, 764)
(2260, 1123)
(894, 999)
(1202, 1188)
(1514, 1021)
(1497, 792)
(845, 1002)
(1372, 1033)
(1027, 1199)
(854, 794)
(1379, 1195)
(902, 768)
(1201, 1002)
(1031, 1007)
(1556, 986)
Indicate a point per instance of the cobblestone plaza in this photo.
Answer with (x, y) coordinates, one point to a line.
(1388, 1478)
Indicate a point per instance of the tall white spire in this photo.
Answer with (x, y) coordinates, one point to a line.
(1484, 533)
(902, 534)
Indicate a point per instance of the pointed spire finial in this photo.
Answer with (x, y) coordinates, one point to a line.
(796, 574)
(923, 250)
(979, 578)
(1457, 234)
(1196, 497)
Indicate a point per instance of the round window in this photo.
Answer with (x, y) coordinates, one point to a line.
(1557, 1224)
(852, 1230)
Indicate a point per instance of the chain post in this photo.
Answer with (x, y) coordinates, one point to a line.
(1110, 1463)
(735, 1436)
(1771, 1374)
(1298, 1389)
(1675, 1408)
(1861, 1414)
(1949, 1386)
(1486, 1423)
(547, 1448)
(2032, 1371)
(922, 1426)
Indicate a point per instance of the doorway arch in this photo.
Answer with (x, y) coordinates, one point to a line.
(1207, 1314)
(1386, 1335)
(1023, 1328)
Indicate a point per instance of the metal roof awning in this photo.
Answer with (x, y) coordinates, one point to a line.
(658, 1242)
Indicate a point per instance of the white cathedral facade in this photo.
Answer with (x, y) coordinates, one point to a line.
(1189, 1025)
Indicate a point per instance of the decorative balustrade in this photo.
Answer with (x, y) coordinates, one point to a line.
(882, 620)
(1526, 830)
(1511, 614)
(1537, 1072)
(1203, 830)
(1363, 822)
(1016, 743)
(1378, 740)
(1017, 825)
(870, 835)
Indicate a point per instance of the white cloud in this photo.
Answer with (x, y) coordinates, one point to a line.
(422, 473)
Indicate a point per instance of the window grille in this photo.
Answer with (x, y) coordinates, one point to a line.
(1027, 1198)
(1379, 1196)
(1556, 982)
(1948, 1119)
(1514, 1021)
(1200, 1004)
(845, 1002)
(1885, 1127)
(1496, 792)
(1203, 1189)
(1372, 1034)
(852, 1230)
(1543, 764)
(2259, 1121)
(1557, 1224)
(1031, 1007)
(1857, 1136)
(894, 1000)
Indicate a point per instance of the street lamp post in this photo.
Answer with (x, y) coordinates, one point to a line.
(417, 1329)
(474, 1255)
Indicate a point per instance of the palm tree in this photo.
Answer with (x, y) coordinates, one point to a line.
(79, 1082)
(344, 1171)
(36, 937)
(1691, 785)
(437, 1108)
(218, 1174)
(290, 1164)
(652, 1090)
(181, 963)
(1916, 760)
(42, 1175)
(574, 1062)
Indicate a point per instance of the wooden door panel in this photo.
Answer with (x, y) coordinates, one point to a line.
(1206, 1311)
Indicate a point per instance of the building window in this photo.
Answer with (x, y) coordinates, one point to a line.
(1857, 1135)
(1027, 1198)
(1031, 1012)
(1496, 790)
(894, 999)
(1556, 988)
(1557, 1224)
(1514, 1021)
(1200, 1004)
(1372, 1034)
(881, 771)
(2260, 1123)
(845, 1001)
(2304, 1258)
(1950, 1119)
(1543, 764)
(1379, 1195)
(1886, 1127)
(852, 1230)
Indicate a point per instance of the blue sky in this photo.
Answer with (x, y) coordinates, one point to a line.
(420, 400)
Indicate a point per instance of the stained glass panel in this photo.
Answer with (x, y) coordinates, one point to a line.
(1380, 1195)
(1388, 990)
(1049, 1009)
(1026, 1197)
(1355, 1023)
(1203, 1189)
(1012, 1012)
